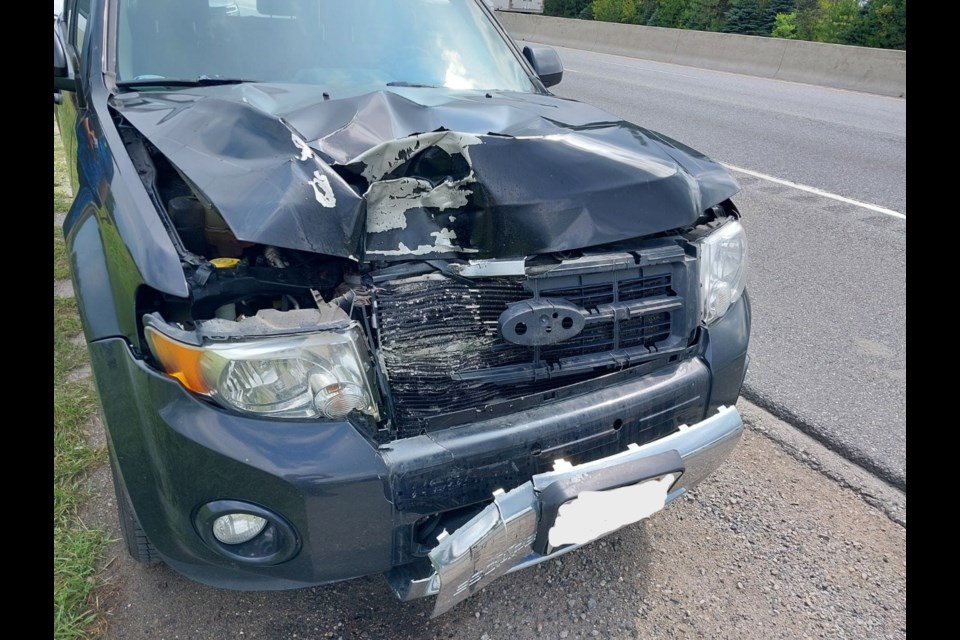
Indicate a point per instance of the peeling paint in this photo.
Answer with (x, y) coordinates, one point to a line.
(389, 200)
(387, 156)
(443, 244)
(322, 190)
(448, 195)
(529, 157)
(306, 153)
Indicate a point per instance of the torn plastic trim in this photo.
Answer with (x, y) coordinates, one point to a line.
(267, 323)
(567, 367)
(648, 253)
(502, 537)
(490, 268)
(501, 408)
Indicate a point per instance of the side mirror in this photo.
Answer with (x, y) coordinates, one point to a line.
(546, 62)
(62, 73)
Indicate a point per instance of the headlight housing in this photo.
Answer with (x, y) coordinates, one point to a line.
(723, 270)
(318, 375)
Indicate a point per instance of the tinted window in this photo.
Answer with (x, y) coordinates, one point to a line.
(79, 30)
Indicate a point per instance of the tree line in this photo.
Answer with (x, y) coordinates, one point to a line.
(865, 23)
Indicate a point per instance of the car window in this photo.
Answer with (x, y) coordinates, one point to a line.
(79, 27)
(340, 44)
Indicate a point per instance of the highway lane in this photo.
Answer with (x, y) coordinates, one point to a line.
(828, 279)
(852, 144)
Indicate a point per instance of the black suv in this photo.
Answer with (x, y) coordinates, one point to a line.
(362, 296)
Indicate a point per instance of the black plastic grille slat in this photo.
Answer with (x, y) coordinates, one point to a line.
(435, 327)
(592, 296)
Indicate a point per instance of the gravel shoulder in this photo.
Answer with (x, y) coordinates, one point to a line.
(782, 542)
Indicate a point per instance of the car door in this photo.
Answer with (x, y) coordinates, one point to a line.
(70, 109)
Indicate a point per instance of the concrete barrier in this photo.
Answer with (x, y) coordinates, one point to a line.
(879, 71)
(656, 44)
(729, 52)
(882, 71)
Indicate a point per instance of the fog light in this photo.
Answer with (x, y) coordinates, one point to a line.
(237, 528)
(246, 532)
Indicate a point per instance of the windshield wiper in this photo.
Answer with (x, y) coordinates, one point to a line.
(419, 85)
(201, 81)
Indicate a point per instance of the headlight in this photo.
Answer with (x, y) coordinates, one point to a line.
(321, 375)
(723, 270)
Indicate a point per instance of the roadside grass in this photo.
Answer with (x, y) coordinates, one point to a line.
(76, 546)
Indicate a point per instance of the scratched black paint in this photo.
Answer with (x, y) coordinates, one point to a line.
(550, 174)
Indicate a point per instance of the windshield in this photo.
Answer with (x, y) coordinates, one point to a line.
(342, 45)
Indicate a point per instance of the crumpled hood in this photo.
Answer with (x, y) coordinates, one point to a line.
(429, 173)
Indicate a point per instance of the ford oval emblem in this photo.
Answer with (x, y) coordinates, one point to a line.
(542, 321)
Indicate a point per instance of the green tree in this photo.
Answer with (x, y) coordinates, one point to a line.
(606, 10)
(746, 17)
(808, 14)
(773, 8)
(838, 19)
(627, 11)
(565, 8)
(883, 23)
(705, 15)
(669, 13)
(645, 10)
(785, 26)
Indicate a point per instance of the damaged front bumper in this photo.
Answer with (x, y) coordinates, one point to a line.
(176, 452)
(541, 518)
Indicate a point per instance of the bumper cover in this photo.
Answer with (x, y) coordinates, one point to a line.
(514, 531)
(176, 453)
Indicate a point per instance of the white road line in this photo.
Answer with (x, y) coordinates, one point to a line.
(819, 192)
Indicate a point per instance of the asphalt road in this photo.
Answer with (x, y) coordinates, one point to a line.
(849, 143)
(827, 278)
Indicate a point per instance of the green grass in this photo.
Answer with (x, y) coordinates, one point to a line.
(61, 268)
(61, 191)
(76, 547)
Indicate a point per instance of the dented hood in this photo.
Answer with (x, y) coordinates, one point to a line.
(429, 173)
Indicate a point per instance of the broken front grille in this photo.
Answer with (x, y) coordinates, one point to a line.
(443, 352)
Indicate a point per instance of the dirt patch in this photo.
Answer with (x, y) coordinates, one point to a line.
(62, 288)
(80, 373)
